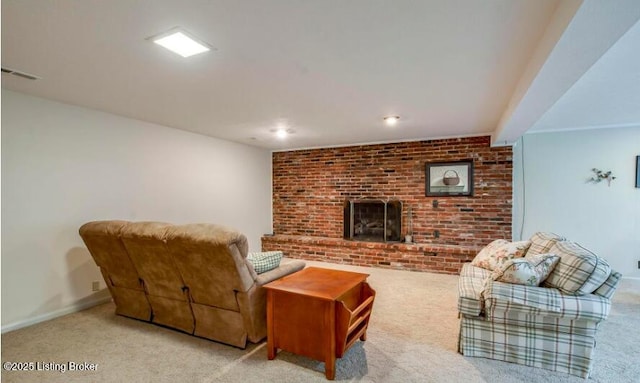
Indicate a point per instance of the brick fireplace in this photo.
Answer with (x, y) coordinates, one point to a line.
(311, 189)
(373, 220)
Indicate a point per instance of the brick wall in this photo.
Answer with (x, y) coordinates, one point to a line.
(310, 188)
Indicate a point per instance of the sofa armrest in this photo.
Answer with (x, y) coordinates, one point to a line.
(286, 267)
(470, 295)
(533, 300)
(470, 286)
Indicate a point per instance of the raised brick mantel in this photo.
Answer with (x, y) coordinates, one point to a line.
(417, 257)
(311, 186)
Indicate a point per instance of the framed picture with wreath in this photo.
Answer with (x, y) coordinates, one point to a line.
(444, 179)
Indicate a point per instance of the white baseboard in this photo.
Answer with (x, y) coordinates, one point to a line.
(57, 313)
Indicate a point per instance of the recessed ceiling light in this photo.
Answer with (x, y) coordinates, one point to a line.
(281, 131)
(180, 42)
(391, 120)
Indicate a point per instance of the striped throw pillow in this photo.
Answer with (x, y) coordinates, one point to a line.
(579, 271)
(542, 242)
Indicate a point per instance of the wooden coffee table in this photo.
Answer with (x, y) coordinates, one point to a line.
(318, 313)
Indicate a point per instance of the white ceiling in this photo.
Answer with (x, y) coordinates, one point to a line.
(332, 69)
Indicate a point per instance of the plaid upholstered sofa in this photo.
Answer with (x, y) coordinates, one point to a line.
(550, 326)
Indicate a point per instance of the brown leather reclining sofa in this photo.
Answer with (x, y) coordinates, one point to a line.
(194, 278)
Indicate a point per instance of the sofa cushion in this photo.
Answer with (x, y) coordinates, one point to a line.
(579, 271)
(530, 271)
(495, 254)
(542, 242)
(264, 261)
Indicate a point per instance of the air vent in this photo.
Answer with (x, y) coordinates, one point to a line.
(20, 74)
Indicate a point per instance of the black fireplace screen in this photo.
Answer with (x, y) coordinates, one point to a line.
(373, 220)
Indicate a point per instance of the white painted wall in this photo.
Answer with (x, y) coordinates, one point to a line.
(558, 198)
(64, 165)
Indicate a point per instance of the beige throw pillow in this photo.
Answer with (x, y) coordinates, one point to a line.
(495, 254)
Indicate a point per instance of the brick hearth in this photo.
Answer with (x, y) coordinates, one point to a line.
(418, 257)
(311, 186)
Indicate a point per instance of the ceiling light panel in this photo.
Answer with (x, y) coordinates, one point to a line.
(180, 42)
(391, 120)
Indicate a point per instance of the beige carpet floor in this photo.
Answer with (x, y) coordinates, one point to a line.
(412, 338)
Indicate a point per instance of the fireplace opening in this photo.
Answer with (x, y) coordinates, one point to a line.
(373, 220)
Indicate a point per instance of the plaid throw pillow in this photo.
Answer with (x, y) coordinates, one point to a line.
(579, 271)
(265, 261)
(541, 242)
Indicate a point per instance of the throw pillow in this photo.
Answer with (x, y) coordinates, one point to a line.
(542, 242)
(265, 261)
(495, 254)
(484, 256)
(530, 270)
(579, 271)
